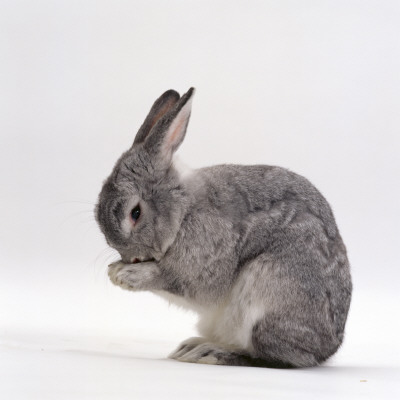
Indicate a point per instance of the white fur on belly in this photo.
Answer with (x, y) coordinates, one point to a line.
(231, 323)
(230, 326)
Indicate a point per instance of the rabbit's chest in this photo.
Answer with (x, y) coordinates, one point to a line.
(178, 301)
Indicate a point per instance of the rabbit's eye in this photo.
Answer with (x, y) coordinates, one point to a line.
(135, 213)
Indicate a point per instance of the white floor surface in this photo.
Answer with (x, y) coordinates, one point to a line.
(45, 367)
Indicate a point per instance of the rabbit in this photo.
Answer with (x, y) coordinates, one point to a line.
(253, 250)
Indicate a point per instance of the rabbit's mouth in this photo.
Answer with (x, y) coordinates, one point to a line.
(136, 260)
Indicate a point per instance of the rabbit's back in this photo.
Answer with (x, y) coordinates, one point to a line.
(281, 216)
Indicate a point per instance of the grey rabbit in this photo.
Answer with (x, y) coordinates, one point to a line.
(254, 250)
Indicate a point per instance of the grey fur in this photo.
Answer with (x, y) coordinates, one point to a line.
(255, 250)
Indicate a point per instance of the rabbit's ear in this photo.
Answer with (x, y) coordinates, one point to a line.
(169, 132)
(160, 107)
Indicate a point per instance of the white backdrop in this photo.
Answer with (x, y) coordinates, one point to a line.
(312, 86)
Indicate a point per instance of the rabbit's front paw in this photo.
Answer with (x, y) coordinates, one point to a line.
(139, 276)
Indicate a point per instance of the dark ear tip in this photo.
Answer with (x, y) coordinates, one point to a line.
(188, 95)
(171, 93)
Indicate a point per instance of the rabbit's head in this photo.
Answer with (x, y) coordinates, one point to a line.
(142, 202)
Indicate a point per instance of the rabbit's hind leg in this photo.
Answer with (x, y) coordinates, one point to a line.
(292, 341)
(186, 346)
